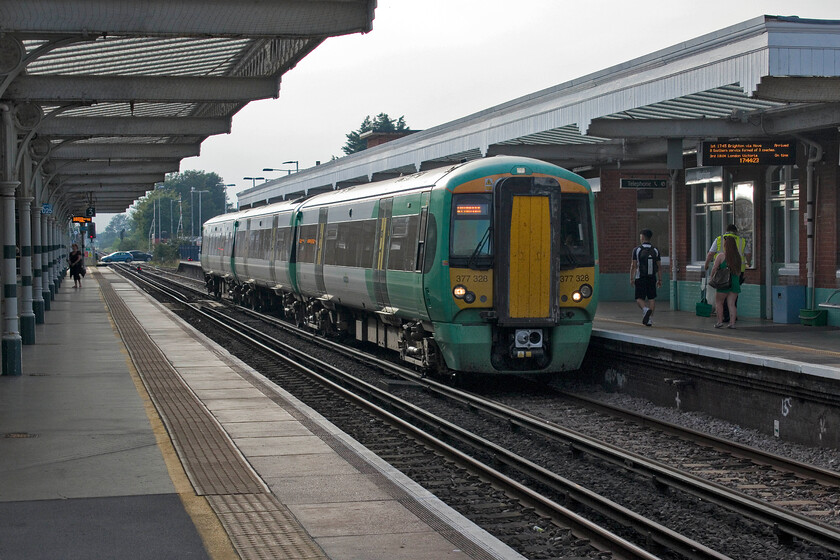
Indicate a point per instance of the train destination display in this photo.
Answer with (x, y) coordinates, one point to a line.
(776, 152)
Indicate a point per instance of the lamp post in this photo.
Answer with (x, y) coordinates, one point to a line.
(253, 180)
(288, 171)
(225, 186)
(199, 207)
(192, 190)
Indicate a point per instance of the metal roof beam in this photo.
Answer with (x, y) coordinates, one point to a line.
(605, 152)
(746, 125)
(66, 127)
(172, 89)
(185, 18)
(88, 167)
(111, 191)
(125, 151)
(799, 89)
(673, 128)
(112, 179)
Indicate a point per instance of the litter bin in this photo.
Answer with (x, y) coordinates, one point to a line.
(813, 317)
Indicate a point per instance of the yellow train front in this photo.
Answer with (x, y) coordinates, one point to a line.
(518, 287)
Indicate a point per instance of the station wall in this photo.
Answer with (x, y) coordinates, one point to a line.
(621, 213)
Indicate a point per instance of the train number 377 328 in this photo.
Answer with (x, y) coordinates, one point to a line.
(460, 278)
(574, 278)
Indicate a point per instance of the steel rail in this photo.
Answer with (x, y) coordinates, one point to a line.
(785, 522)
(291, 356)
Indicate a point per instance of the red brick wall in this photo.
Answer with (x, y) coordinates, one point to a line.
(615, 215)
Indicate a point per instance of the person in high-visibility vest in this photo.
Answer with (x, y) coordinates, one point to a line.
(716, 248)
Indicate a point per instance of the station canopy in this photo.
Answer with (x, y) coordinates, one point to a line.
(766, 78)
(110, 95)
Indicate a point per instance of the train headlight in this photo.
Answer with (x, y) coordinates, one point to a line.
(586, 290)
(460, 291)
(577, 296)
(469, 297)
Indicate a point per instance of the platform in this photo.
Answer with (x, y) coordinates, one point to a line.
(131, 435)
(789, 347)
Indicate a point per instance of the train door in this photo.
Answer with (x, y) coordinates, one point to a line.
(525, 238)
(319, 251)
(381, 244)
(271, 254)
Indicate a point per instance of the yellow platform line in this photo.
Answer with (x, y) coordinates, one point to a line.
(212, 533)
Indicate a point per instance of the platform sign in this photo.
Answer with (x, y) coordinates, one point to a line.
(643, 184)
(46, 208)
(775, 152)
(80, 220)
(90, 212)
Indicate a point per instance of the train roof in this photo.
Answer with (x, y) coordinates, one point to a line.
(441, 178)
(274, 208)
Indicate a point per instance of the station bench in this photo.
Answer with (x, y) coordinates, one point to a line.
(828, 304)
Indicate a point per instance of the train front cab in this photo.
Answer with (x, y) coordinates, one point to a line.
(522, 274)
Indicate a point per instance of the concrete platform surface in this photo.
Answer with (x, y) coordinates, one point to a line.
(96, 446)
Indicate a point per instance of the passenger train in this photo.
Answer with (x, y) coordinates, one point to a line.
(485, 267)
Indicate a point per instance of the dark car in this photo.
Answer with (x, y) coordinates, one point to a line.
(140, 256)
(119, 256)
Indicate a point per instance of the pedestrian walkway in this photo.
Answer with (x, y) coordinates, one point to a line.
(130, 435)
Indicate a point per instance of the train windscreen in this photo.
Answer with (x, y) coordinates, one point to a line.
(576, 232)
(471, 239)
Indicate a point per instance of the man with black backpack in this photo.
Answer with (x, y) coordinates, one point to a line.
(645, 275)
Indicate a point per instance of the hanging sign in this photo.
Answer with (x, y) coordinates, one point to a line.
(643, 184)
(46, 208)
(80, 220)
(774, 152)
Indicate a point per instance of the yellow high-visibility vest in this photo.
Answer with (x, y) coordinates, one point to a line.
(740, 243)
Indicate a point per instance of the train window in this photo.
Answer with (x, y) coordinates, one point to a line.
(307, 243)
(280, 244)
(330, 245)
(402, 250)
(471, 236)
(575, 231)
(365, 241)
(241, 243)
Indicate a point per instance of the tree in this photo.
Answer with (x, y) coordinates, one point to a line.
(382, 123)
(119, 224)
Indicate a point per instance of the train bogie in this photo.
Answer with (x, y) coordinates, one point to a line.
(484, 267)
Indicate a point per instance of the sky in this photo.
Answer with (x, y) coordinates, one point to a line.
(434, 61)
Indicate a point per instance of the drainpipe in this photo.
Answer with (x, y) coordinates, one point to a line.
(815, 154)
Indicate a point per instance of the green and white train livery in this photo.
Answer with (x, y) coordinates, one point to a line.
(487, 267)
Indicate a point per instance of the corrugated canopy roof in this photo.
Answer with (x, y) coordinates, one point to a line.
(766, 77)
(108, 96)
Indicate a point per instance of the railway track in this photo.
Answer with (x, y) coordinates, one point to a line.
(533, 478)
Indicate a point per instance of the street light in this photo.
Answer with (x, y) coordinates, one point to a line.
(225, 186)
(253, 180)
(288, 171)
(192, 190)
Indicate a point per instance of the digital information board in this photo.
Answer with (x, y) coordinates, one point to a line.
(779, 152)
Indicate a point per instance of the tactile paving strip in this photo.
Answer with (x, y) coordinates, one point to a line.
(258, 525)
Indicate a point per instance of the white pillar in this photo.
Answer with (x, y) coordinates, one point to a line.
(11, 345)
(38, 304)
(27, 316)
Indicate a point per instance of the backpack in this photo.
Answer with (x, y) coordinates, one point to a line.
(647, 261)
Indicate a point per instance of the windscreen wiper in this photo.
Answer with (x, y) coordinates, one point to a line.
(484, 240)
